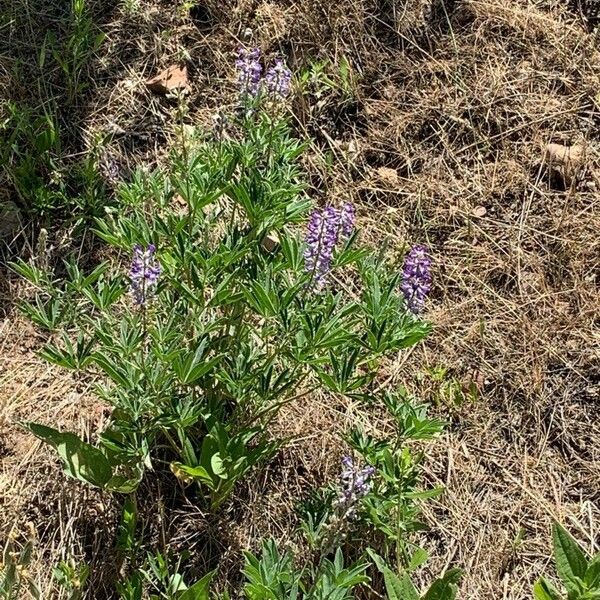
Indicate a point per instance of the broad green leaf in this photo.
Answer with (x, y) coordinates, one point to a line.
(397, 588)
(592, 575)
(80, 460)
(216, 463)
(544, 590)
(176, 584)
(445, 587)
(211, 444)
(200, 590)
(126, 483)
(570, 560)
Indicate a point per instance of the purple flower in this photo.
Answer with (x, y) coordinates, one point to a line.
(355, 483)
(249, 71)
(321, 239)
(278, 79)
(144, 274)
(347, 218)
(416, 278)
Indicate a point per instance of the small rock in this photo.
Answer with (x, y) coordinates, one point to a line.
(567, 159)
(479, 211)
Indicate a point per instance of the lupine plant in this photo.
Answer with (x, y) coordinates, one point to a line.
(232, 312)
(274, 577)
(72, 578)
(227, 294)
(382, 495)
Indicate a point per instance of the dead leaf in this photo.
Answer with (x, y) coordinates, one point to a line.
(473, 383)
(180, 205)
(270, 242)
(184, 477)
(172, 78)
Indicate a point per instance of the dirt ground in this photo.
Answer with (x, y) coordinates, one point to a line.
(436, 123)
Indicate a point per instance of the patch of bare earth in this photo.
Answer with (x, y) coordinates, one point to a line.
(441, 140)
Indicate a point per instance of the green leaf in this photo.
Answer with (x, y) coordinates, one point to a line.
(424, 494)
(126, 539)
(397, 588)
(419, 557)
(80, 460)
(126, 484)
(194, 366)
(570, 560)
(544, 590)
(200, 590)
(264, 301)
(198, 472)
(117, 375)
(445, 587)
(217, 466)
(592, 575)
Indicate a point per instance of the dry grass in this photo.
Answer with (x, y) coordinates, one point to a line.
(440, 141)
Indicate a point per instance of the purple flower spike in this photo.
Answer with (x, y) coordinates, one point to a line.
(321, 239)
(416, 278)
(249, 71)
(347, 218)
(144, 274)
(278, 79)
(355, 483)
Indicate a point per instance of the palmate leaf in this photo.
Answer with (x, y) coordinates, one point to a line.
(262, 299)
(192, 366)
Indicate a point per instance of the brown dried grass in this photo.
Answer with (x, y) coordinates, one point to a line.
(440, 142)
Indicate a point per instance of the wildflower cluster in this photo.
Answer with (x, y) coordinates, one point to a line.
(416, 278)
(325, 227)
(144, 274)
(277, 80)
(249, 71)
(356, 484)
